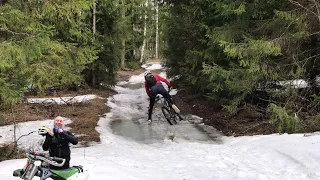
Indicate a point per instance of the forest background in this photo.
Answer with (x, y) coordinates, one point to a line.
(260, 56)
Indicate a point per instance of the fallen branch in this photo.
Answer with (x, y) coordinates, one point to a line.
(12, 32)
(16, 143)
(255, 126)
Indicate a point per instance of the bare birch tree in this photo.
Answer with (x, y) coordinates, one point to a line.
(144, 33)
(157, 29)
(123, 40)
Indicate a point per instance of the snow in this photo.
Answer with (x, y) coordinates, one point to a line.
(297, 83)
(152, 66)
(62, 100)
(264, 157)
(6, 133)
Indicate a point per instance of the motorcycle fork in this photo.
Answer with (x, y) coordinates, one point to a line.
(32, 169)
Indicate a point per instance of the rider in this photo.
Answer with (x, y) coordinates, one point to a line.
(57, 142)
(154, 87)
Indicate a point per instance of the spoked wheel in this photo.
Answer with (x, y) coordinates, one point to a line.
(170, 117)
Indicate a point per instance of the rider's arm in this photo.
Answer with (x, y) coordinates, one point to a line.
(164, 80)
(70, 137)
(147, 89)
(47, 142)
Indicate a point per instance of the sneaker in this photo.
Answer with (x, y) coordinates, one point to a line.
(149, 120)
(175, 108)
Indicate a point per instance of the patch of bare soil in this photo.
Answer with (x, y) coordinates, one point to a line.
(248, 121)
(9, 151)
(124, 75)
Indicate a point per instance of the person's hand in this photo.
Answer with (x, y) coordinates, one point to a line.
(170, 88)
(60, 130)
(50, 132)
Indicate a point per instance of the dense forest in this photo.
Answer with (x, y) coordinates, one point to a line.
(234, 53)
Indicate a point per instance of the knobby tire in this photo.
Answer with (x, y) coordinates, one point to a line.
(168, 115)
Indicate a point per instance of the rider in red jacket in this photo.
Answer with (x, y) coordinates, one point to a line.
(159, 79)
(154, 87)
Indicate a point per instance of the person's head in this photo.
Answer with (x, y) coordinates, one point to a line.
(58, 122)
(147, 73)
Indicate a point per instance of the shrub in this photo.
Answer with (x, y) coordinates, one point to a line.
(133, 65)
(282, 120)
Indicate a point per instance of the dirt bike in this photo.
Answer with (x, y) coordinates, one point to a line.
(168, 111)
(43, 171)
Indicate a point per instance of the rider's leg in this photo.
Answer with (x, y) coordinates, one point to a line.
(166, 95)
(152, 100)
(151, 104)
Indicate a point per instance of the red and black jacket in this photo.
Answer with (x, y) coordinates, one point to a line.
(159, 79)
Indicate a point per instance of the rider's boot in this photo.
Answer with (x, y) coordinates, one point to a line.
(180, 118)
(176, 109)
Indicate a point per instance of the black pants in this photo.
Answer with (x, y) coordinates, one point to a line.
(155, 90)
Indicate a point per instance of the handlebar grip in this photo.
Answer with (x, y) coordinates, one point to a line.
(55, 163)
(57, 159)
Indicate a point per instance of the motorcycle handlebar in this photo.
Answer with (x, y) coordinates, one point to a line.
(58, 159)
(50, 160)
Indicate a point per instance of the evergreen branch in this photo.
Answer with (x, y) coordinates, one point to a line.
(16, 33)
(289, 26)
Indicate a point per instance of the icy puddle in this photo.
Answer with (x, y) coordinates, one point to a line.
(158, 131)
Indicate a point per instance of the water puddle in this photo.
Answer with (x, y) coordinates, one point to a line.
(159, 130)
(131, 121)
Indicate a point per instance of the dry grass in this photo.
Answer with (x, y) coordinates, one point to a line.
(9, 151)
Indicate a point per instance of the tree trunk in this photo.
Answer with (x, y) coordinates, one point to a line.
(94, 20)
(144, 34)
(93, 34)
(157, 29)
(123, 53)
(14, 124)
(123, 41)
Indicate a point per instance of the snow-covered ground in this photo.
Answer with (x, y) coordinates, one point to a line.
(270, 157)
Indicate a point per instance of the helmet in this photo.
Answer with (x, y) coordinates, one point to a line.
(43, 130)
(147, 73)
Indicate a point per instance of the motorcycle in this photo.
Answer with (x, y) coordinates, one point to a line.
(31, 169)
(42, 170)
